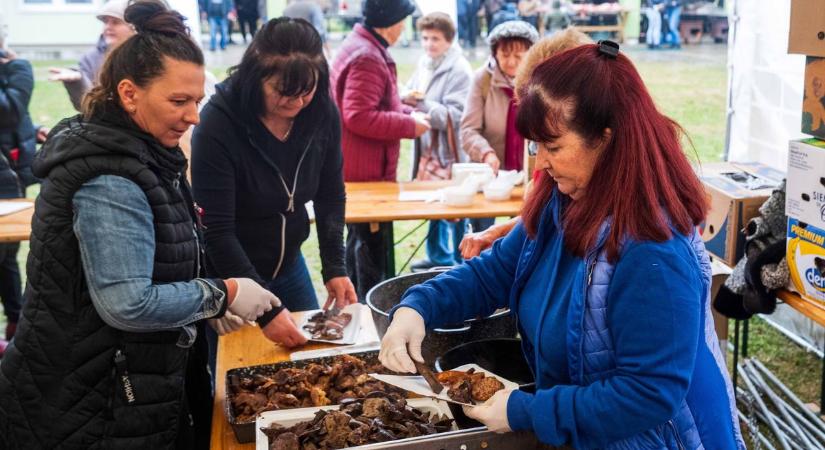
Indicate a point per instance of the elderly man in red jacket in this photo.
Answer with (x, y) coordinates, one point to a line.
(364, 83)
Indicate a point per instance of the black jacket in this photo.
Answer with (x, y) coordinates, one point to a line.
(17, 134)
(63, 381)
(240, 177)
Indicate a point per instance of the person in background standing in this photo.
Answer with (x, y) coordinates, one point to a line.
(653, 12)
(17, 147)
(673, 14)
(488, 132)
(248, 16)
(467, 11)
(365, 88)
(439, 88)
(312, 12)
(115, 31)
(491, 7)
(217, 13)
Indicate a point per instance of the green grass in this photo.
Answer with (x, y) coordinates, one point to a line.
(690, 93)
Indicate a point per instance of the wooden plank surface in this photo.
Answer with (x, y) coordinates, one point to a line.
(16, 227)
(809, 308)
(378, 202)
(245, 347)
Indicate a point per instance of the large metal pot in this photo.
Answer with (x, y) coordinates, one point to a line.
(387, 294)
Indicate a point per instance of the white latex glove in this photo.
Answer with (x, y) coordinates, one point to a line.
(226, 324)
(493, 413)
(407, 330)
(251, 300)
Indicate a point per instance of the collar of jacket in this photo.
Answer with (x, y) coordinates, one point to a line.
(377, 37)
(367, 35)
(498, 77)
(448, 61)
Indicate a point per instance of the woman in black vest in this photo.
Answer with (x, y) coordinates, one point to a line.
(269, 141)
(107, 353)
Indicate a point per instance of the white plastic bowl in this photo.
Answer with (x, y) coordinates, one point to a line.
(457, 196)
(498, 192)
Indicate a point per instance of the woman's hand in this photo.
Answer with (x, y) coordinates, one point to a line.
(492, 160)
(474, 243)
(229, 323)
(405, 332)
(341, 291)
(283, 330)
(493, 413)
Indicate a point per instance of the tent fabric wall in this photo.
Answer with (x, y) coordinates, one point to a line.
(765, 107)
(765, 83)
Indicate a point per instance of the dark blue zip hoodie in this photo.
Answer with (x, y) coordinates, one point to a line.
(242, 177)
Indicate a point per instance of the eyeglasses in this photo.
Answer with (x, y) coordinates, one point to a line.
(532, 148)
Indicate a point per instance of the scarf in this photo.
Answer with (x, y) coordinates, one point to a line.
(513, 141)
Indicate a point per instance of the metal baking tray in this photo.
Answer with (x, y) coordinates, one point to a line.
(245, 431)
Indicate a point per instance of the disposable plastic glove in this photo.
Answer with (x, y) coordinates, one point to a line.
(283, 330)
(493, 413)
(227, 324)
(251, 300)
(406, 331)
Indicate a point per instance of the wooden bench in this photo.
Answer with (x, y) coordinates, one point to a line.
(618, 28)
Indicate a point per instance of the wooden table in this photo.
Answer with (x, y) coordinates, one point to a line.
(375, 202)
(16, 227)
(246, 347)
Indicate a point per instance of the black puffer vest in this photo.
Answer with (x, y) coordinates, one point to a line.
(69, 380)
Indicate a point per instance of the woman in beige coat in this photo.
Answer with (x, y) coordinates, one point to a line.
(488, 132)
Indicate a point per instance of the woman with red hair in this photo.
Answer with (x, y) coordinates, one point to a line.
(605, 273)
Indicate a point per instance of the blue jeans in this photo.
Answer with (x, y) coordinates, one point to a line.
(294, 286)
(481, 224)
(443, 238)
(653, 36)
(214, 23)
(673, 15)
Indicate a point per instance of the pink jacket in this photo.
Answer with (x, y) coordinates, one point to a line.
(364, 84)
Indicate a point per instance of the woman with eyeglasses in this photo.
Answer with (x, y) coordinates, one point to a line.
(606, 274)
(269, 142)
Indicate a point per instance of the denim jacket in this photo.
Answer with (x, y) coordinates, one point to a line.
(114, 227)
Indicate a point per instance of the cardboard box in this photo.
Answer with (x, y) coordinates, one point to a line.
(805, 192)
(736, 191)
(813, 101)
(807, 30)
(806, 259)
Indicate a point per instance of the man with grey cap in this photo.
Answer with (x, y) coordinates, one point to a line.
(365, 87)
(80, 80)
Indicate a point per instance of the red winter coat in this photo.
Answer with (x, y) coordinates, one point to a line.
(364, 84)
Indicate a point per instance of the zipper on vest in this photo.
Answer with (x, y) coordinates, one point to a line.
(176, 181)
(123, 376)
(197, 251)
(676, 435)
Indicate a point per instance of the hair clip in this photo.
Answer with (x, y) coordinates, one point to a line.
(609, 48)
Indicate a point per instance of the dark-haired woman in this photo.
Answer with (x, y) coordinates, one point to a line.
(269, 142)
(606, 274)
(108, 351)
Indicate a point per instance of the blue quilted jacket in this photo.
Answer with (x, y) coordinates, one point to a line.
(645, 367)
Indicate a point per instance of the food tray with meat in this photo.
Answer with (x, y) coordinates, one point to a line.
(469, 384)
(332, 326)
(356, 424)
(298, 384)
